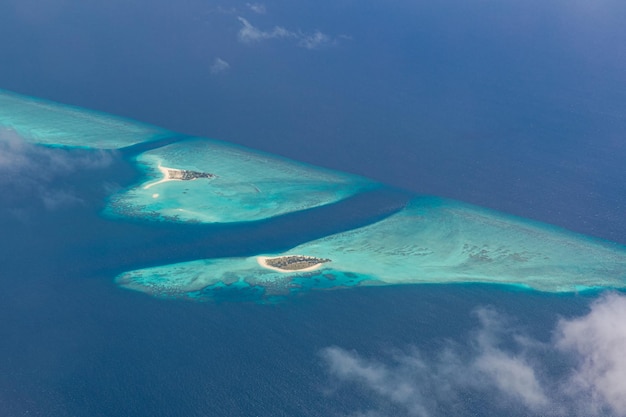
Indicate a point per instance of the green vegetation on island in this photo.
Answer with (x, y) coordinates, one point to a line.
(295, 262)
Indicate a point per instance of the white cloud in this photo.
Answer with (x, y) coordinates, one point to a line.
(11, 152)
(508, 372)
(219, 66)
(29, 171)
(598, 342)
(504, 368)
(17, 155)
(250, 34)
(53, 199)
(257, 7)
(392, 383)
(315, 40)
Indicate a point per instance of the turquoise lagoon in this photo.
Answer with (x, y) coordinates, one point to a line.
(431, 240)
(244, 185)
(48, 123)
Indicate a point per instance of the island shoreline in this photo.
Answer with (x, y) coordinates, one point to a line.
(263, 262)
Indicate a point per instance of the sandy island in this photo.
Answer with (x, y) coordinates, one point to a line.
(291, 263)
(173, 174)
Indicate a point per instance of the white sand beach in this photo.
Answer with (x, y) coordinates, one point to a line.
(169, 174)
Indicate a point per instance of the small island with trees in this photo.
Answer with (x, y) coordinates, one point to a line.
(290, 263)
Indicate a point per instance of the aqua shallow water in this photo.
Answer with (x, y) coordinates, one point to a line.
(244, 185)
(49, 123)
(76, 344)
(431, 240)
(511, 105)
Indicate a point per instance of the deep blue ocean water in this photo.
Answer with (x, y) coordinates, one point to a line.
(83, 347)
(517, 106)
(75, 344)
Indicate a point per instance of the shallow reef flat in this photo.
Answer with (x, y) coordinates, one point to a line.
(48, 123)
(196, 180)
(207, 181)
(430, 241)
(207, 278)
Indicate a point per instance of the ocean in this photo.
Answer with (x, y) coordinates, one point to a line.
(74, 343)
(84, 347)
(513, 106)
